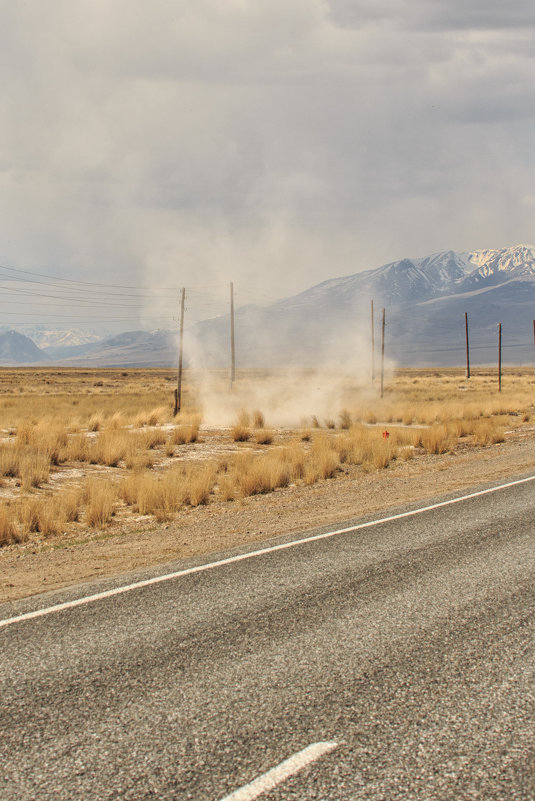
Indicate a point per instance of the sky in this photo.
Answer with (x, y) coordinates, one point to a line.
(272, 143)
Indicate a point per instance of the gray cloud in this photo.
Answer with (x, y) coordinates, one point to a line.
(275, 143)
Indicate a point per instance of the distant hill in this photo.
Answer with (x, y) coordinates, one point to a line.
(329, 324)
(16, 348)
(130, 349)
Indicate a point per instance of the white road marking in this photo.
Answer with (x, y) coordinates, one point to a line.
(275, 776)
(99, 596)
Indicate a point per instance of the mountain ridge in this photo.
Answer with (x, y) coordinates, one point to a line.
(425, 298)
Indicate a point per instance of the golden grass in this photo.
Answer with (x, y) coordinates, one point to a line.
(91, 420)
(258, 419)
(345, 419)
(264, 437)
(162, 495)
(110, 447)
(323, 460)
(34, 469)
(256, 475)
(240, 433)
(8, 528)
(186, 430)
(100, 497)
(438, 438)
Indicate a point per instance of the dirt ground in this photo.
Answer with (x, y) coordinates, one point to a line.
(32, 568)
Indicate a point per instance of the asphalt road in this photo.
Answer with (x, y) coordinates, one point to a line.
(406, 646)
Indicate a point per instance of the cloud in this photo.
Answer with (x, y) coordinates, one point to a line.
(273, 143)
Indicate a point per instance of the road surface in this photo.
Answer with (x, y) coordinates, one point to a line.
(391, 661)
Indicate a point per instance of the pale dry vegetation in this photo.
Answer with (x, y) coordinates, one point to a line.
(82, 449)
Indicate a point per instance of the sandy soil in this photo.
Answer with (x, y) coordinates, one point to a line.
(33, 568)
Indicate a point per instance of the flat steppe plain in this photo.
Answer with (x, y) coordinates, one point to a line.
(319, 433)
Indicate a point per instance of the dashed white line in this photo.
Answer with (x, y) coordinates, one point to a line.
(99, 596)
(280, 773)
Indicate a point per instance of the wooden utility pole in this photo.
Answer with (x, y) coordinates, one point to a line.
(232, 348)
(499, 357)
(373, 347)
(467, 345)
(383, 354)
(178, 390)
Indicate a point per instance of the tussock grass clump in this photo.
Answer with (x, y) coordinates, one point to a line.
(72, 500)
(187, 430)
(258, 419)
(110, 447)
(45, 515)
(10, 455)
(345, 419)
(157, 416)
(294, 456)
(488, 432)
(438, 438)
(322, 462)
(34, 469)
(76, 449)
(200, 481)
(100, 497)
(163, 495)
(240, 433)
(116, 422)
(243, 418)
(47, 436)
(8, 529)
(96, 422)
(256, 475)
(264, 437)
(152, 439)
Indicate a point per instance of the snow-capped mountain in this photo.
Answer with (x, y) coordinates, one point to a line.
(56, 337)
(497, 266)
(425, 299)
(329, 324)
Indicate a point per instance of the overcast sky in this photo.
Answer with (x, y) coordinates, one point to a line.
(276, 143)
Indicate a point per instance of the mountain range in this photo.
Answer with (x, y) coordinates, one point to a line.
(425, 300)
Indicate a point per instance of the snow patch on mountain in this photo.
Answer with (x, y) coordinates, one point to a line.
(496, 266)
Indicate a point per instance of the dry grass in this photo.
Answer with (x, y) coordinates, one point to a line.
(50, 464)
(258, 419)
(240, 433)
(110, 447)
(345, 419)
(100, 497)
(323, 460)
(259, 474)
(163, 495)
(187, 430)
(488, 432)
(438, 438)
(264, 437)
(8, 529)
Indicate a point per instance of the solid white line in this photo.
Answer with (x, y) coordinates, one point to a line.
(275, 776)
(99, 596)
